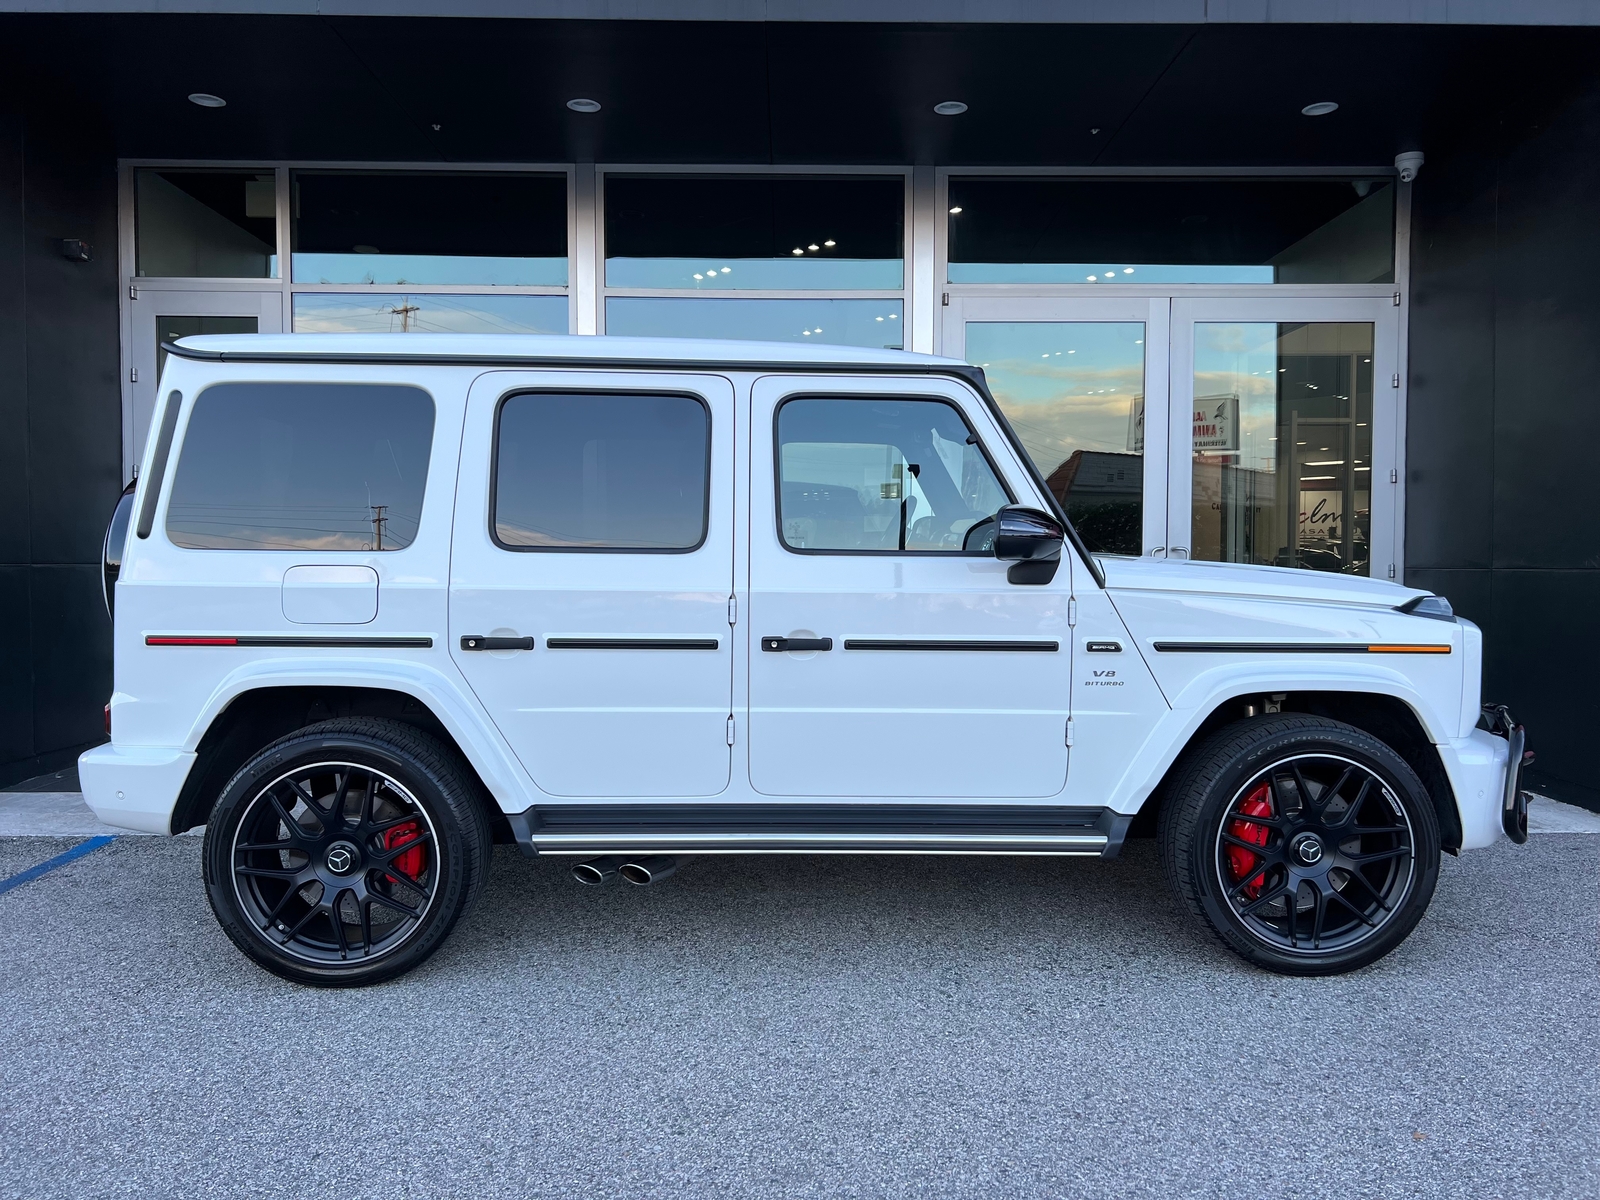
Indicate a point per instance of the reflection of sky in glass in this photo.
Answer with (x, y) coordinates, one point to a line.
(429, 269)
(1007, 272)
(872, 323)
(327, 312)
(798, 272)
(1242, 360)
(1064, 386)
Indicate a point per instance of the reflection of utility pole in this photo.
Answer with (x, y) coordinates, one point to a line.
(403, 311)
(378, 522)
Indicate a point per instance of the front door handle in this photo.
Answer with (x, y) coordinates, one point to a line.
(777, 645)
(476, 641)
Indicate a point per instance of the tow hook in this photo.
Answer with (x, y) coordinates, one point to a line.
(1514, 804)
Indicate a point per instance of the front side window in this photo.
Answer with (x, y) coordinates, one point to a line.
(302, 466)
(880, 475)
(601, 472)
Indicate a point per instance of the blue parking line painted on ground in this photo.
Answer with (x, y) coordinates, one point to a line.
(50, 864)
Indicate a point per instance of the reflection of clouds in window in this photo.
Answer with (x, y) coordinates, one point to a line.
(322, 312)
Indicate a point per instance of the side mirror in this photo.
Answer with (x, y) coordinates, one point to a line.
(1031, 541)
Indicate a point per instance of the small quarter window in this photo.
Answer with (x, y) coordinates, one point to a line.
(601, 472)
(881, 475)
(302, 466)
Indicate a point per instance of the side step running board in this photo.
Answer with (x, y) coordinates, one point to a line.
(819, 829)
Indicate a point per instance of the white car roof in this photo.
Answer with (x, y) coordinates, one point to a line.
(549, 348)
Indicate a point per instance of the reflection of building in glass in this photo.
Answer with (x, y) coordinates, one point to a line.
(1101, 491)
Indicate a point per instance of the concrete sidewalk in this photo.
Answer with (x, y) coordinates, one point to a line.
(64, 814)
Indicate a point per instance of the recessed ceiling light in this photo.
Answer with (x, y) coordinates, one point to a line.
(949, 108)
(581, 105)
(954, 209)
(813, 246)
(1320, 109)
(797, 250)
(1127, 270)
(207, 100)
(830, 242)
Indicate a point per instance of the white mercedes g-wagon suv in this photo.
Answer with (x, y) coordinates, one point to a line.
(381, 601)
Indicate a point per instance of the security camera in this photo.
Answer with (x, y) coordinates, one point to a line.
(1408, 164)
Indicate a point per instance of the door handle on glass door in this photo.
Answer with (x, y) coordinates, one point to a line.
(778, 645)
(475, 641)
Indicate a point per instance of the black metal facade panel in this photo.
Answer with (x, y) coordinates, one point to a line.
(1504, 409)
(60, 429)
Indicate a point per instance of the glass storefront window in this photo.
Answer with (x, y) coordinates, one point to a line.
(482, 229)
(1161, 231)
(387, 312)
(206, 224)
(1074, 393)
(1282, 461)
(741, 233)
(874, 323)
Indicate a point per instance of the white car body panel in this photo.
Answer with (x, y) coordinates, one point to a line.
(739, 726)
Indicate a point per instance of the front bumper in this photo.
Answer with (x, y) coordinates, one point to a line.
(134, 787)
(1514, 799)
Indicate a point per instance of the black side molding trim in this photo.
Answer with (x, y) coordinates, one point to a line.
(912, 644)
(623, 643)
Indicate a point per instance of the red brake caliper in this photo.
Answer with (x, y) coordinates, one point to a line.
(410, 863)
(1241, 861)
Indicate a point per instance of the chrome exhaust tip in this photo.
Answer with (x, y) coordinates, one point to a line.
(596, 871)
(642, 871)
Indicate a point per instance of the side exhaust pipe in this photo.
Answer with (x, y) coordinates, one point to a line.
(642, 871)
(597, 871)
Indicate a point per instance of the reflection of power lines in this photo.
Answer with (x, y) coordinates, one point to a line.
(403, 311)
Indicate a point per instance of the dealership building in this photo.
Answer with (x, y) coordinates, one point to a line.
(1297, 283)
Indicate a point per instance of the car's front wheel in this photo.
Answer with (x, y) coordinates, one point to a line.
(1307, 845)
(344, 853)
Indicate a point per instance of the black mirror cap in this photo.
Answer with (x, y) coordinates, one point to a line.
(116, 542)
(1030, 541)
(1027, 535)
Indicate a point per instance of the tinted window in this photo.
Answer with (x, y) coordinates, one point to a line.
(1171, 231)
(884, 475)
(601, 472)
(727, 232)
(421, 229)
(215, 224)
(302, 466)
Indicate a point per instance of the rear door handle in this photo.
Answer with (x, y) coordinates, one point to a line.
(476, 641)
(777, 645)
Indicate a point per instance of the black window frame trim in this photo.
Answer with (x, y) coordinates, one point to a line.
(950, 369)
(777, 473)
(494, 470)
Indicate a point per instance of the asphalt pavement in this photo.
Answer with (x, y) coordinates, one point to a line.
(796, 1027)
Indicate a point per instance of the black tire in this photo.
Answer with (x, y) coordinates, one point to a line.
(1297, 806)
(358, 898)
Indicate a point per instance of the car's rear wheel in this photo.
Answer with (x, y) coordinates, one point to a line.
(344, 853)
(1308, 846)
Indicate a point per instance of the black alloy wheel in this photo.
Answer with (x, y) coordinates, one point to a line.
(1308, 846)
(1314, 852)
(344, 853)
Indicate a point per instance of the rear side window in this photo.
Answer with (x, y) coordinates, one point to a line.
(592, 471)
(302, 466)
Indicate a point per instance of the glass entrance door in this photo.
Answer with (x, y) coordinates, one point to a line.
(1283, 452)
(1084, 384)
(159, 317)
(1251, 430)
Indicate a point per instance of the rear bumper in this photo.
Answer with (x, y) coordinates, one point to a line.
(134, 787)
